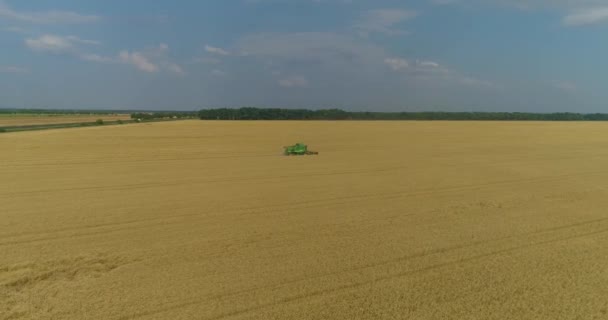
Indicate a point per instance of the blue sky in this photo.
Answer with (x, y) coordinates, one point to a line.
(451, 55)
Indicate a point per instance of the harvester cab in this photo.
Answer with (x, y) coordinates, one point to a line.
(298, 149)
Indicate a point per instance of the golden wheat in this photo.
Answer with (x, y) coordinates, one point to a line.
(27, 120)
(393, 220)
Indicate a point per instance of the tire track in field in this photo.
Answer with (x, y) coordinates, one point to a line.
(244, 155)
(146, 185)
(297, 176)
(93, 226)
(128, 187)
(323, 292)
(248, 211)
(277, 208)
(111, 161)
(375, 280)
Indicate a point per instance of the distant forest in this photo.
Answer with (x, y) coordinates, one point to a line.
(249, 113)
(337, 114)
(163, 115)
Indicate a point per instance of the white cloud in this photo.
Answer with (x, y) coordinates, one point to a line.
(57, 44)
(13, 69)
(218, 73)
(576, 12)
(396, 63)
(427, 64)
(95, 58)
(293, 82)
(138, 60)
(47, 17)
(175, 68)
(528, 4)
(384, 21)
(69, 45)
(160, 56)
(151, 60)
(431, 71)
(565, 86)
(587, 16)
(343, 62)
(337, 56)
(75, 39)
(216, 50)
(310, 49)
(50, 43)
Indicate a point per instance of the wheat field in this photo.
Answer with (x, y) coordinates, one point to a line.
(40, 119)
(392, 220)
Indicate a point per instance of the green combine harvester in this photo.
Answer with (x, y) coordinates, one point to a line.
(298, 149)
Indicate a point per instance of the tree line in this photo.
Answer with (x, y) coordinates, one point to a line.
(163, 115)
(249, 113)
(272, 114)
